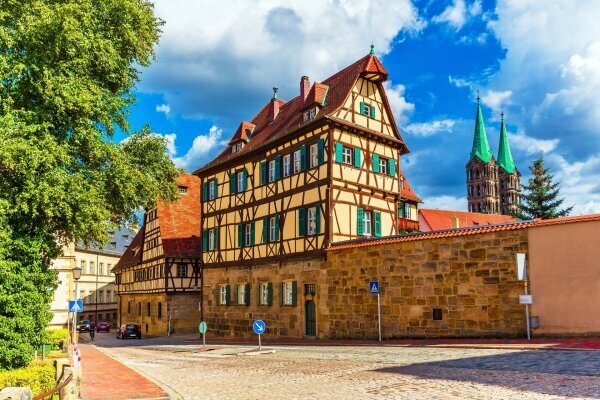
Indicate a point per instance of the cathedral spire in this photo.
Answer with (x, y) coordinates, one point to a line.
(481, 148)
(505, 159)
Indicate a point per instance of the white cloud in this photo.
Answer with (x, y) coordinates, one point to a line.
(459, 83)
(202, 145)
(170, 138)
(446, 203)
(400, 107)
(425, 129)
(240, 49)
(163, 108)
(454, 15)
(495, 100)
(531, 145)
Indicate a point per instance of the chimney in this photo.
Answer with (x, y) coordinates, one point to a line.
(455, 222)
(274, 106)
(304, 88)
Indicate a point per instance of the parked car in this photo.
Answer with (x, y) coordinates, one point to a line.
(129, 330)
(83, 325)
(103, 327)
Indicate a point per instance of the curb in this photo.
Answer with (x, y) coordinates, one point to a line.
(256, 352)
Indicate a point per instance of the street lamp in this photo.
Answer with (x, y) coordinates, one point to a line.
(76, 275)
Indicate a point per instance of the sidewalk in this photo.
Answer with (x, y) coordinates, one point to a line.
(104, 378)
(521, 344)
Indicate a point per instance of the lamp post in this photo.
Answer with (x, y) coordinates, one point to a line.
(76, 275)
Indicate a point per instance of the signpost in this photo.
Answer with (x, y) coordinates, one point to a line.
(259, 328)
(75, 306)
(202, 328)
(524, 299)
(374, 289)
(170, 314)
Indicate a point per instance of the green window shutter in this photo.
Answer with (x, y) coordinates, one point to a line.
(303, 157)
(270, 294)
(401, 209)
(301, 221)
(377, 215)
(245, 178)
(227, 295)
(372, 111)
(216, 188)
(236, 288)
(357, 158)
(321, 151)
(252, 233)
(232, 183)
(277, 227)
(263, 173)
(294, 293)
(240, 235)
(247, 295)
(362, 107)
(265, 234)
(277, 168)
(281, 290)
(375, 165)
(392, 167)
(204, 191)
(216, 238)
(205, 240)
(339, 150)
(360, 215)
(317, 219)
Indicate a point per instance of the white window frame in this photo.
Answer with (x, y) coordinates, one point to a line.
(92, 265)
(247, 235)
(271, 170)
(297, 163)
(212, 189)
(240, 182)
(264, 294)
(183, 268)
(367, 223)
(241, 294)
(233, 148)
(314, 155)
(347, 155)
(286, 165)
(223, 295)
(239, 146)
(101, 268)
(211, 239)
(312, 113)
(407, 211)
(272, 232)
(287, 294)
(366, 110)
(383, 166)
(312, 221)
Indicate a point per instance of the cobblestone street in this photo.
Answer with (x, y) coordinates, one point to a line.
(354, 372)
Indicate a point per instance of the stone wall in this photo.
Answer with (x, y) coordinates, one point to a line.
(470, 278)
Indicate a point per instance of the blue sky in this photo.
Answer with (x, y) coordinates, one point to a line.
(217, 63)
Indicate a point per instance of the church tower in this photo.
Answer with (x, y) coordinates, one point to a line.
(508, 175)
(482, 172)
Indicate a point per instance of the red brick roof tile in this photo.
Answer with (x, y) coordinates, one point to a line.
(243, 132)
(435, 220)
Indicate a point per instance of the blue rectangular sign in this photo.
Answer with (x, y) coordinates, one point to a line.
(75, 305)
(374, 287)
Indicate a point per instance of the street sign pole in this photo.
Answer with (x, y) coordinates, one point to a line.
(379, 315)
(259, 328)
(522, 276)
(374, 289)
(202, 328)
(527, 316)
(259, 344)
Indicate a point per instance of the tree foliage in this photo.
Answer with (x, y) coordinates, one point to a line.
(541, 197)
(67, 74)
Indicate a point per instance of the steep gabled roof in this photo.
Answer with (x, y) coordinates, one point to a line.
(481, 148)
(434, 220)
(505, 160)
(243, 132)
(316, 96)
(406, 191)
(339, 87)
(178, 223)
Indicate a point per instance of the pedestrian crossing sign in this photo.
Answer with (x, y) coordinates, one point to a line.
(75, 305)
(374, 287)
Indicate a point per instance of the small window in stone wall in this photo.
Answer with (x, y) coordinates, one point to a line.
(437, 314)
(310, 288)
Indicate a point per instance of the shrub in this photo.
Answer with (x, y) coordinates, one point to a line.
(55, 337)
(39, 376)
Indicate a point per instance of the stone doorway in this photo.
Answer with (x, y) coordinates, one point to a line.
(311, 318)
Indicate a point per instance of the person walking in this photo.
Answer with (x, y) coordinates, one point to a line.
(92, 329)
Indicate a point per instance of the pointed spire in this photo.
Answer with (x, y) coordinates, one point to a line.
(481, 148)
(372, 52)
(505, 159)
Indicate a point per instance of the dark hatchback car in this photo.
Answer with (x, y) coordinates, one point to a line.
(83, 325)
(129, 331)
(103, 327)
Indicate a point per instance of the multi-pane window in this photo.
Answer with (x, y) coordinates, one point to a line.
(223, 294)
(240, 182)
(182, 189)
(92, 267)
(248, 235)
(100, 296)
(211, 239)
(286, 165)
(347, 155)
(297, 164)
(181, 270)
(241, 294)
(272, 229)
(367, 223)
(100, 268)
(314, 155)
(108, 268)
(82, 264)
(383, 166)
(212, 190)
(271, 170)
(366, 110)
(312, 220)
(287, 294)
(407, 211)
(264, 294)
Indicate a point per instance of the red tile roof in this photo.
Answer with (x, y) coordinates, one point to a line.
(406, 191)
(435, 220)
(339, 87)
(179, 225)
(473, 230)
(243, 132)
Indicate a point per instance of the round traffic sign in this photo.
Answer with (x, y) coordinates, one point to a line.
(202, 327)
(259, 327)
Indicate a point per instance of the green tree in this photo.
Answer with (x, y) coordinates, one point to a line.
(541, 197)
(67, 74)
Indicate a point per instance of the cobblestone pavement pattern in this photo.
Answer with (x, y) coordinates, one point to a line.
(335, 372)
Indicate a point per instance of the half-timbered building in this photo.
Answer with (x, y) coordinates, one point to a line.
(321, 168)
(159, 279)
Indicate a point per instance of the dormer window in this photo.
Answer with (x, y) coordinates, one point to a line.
(237, 147)
(310, 114)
